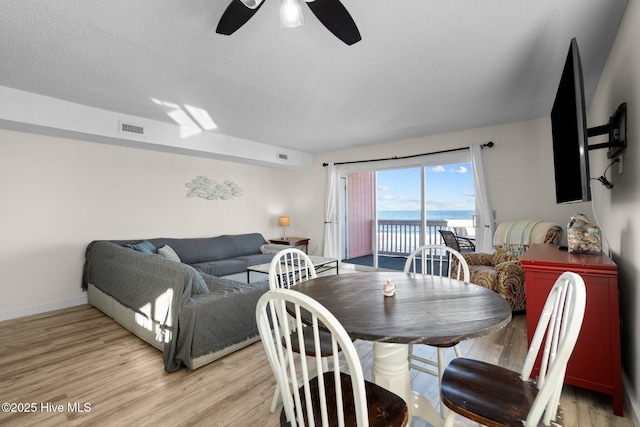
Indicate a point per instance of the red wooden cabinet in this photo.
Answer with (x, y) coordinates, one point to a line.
(595, 361)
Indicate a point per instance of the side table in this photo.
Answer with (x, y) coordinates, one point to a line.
(595, 361)
(293, 241)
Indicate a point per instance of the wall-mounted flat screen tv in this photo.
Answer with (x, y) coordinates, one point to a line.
(569, 131)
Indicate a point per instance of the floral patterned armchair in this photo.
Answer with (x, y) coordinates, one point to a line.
(501, 271)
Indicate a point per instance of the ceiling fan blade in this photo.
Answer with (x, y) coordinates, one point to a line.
(337, 19)
(235, 16)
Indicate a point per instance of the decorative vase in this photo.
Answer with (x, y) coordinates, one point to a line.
(583, 236)
(389, 289)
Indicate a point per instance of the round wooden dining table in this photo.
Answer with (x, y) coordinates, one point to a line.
(424, 310)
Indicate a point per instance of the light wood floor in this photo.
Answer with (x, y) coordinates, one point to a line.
(79, 356)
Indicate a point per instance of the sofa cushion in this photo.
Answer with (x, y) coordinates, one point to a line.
(484, 276)
(167, 252)
(202, 249)
(194, 250)
(215, 284)
(222, 267)
(225, 267)
(478, 258)
(145, 246)
(242, 244)
(272, 248)
(255, 259)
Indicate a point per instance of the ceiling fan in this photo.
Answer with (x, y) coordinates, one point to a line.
(331, 13)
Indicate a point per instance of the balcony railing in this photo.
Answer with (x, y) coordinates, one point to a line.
(401, 237)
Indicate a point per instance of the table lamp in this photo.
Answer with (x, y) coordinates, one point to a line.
(284, 222)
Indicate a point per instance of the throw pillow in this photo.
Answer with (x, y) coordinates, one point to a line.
(146, 247)
(168, 252)
(199, 285)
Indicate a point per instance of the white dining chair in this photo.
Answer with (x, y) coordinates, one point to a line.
(493, 395)
(436, 260)
(288, 268)
(325, 397)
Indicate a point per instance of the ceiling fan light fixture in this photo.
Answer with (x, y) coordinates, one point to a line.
(331, 13)
(251, 4)
(291, 14)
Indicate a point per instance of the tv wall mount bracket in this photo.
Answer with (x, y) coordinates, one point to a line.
(617, 131)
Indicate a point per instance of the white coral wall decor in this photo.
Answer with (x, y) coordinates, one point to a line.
(210, 189)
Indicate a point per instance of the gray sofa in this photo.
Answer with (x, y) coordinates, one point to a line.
(169, 292)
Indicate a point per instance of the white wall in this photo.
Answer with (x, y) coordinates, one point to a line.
(519, 167)
(620, 208)
(58, 194)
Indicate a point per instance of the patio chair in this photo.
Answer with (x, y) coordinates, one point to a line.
(496, 396)
(460, 244)
(325, 397)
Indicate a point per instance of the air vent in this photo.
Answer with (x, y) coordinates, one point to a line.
(131, 128)
(283, 156)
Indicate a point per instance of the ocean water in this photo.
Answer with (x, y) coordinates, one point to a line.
(434, 215)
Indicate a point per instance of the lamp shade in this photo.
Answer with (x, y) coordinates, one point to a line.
(284, 221)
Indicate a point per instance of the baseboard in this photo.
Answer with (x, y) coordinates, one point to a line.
(29, 311)
(631, 406)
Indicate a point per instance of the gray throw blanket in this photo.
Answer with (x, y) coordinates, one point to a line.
(163, 290)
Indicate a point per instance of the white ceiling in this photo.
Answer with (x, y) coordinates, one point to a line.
(423, 67)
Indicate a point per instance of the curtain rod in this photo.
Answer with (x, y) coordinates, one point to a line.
(488, 144)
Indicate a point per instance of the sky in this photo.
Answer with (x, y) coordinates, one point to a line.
(449, 187)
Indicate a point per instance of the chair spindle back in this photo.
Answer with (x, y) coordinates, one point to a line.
(559, 326)
(303, 405)
(438, 260)
(289, 267)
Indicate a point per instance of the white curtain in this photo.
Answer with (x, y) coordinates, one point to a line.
(485, 224)
(331, 225)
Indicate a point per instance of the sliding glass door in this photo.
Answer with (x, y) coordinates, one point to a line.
(388, 213)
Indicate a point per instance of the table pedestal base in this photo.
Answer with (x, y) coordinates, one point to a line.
(391, 371)
(391, 368)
